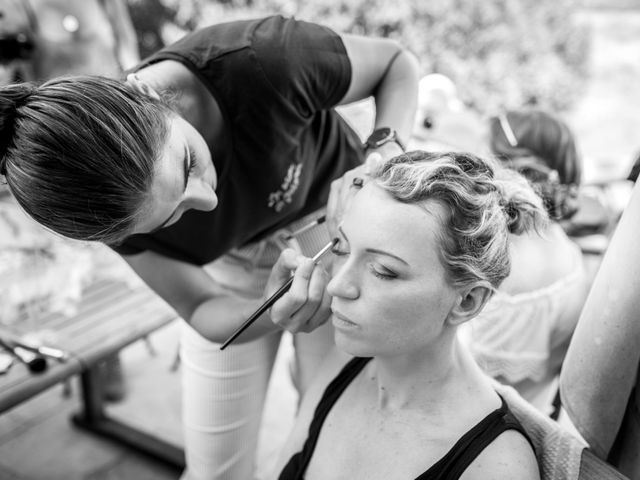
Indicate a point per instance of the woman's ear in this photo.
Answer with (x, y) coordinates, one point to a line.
(141, 86)
(470, 303)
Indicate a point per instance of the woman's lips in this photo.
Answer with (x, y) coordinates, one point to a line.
(342, 321)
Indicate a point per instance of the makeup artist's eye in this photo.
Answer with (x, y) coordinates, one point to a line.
(382, 272)
(193, 160)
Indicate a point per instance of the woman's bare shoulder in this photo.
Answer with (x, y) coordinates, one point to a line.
(508, 456)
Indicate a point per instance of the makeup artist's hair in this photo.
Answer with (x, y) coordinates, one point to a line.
(78, 153)
(483, 201)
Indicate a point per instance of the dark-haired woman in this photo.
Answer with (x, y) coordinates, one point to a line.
(522, 335)
(195, 169)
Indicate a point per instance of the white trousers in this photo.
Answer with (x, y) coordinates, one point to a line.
(223, 392)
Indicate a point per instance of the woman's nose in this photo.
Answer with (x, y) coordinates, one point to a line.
(341, 285)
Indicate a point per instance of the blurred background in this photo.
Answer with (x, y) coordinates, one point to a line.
(577, 58)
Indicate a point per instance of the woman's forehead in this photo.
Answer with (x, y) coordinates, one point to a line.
(379, 219)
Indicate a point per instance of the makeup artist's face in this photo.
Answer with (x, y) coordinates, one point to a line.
(184, 179)
(390, 294)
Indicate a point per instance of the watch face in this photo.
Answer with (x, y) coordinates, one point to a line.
(380, 136)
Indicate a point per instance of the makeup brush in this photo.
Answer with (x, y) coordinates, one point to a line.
(274, 298)
(34, 362)
(306, 228)
(44, 350)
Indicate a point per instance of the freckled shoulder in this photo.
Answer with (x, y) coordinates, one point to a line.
(509, 456)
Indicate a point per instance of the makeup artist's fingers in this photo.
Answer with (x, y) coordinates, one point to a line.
(287, 262)
(315, 309)
(374, 161)
(322, 311)
(341, 192)
(304, 307)
(284, 311)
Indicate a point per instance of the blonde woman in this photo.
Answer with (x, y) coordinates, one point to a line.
(422, 248)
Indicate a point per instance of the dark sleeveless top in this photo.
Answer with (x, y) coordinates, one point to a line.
(449, 467)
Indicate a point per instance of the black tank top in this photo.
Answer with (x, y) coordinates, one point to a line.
(449, 467)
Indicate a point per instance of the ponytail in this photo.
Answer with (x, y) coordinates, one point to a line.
(78, 153)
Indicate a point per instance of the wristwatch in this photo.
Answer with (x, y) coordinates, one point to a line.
(380, 136)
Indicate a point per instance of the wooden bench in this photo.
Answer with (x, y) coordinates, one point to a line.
(111, 315)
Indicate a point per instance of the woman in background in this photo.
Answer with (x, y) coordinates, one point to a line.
(522, 335)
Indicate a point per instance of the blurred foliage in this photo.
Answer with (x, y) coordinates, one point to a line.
(160, 22)
(500, 53)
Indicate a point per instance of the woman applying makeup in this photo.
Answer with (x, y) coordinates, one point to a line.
(194, 169)
(421, 249)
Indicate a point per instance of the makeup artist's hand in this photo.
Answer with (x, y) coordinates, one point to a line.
(306, 305)
(344, 188)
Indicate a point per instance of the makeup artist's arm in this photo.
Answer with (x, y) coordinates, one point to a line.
(382, 69)
(191, 292)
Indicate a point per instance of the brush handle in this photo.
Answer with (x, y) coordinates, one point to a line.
(272, 299)
(263, 308)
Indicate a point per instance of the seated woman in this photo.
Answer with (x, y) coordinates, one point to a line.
(422, 248)
(522, 335)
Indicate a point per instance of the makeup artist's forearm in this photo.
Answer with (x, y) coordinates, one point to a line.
(396, 95)
(216, 319)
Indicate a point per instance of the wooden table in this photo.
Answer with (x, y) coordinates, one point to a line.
(110, 316)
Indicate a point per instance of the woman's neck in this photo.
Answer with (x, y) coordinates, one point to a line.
(422, 379)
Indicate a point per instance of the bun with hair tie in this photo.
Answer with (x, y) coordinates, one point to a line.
(12, 99)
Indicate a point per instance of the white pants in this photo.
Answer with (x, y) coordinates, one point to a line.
(224, 391)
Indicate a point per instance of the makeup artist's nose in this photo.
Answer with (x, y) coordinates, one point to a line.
(201, 196)
(342, 285)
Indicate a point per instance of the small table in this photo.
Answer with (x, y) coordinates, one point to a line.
(111, 315)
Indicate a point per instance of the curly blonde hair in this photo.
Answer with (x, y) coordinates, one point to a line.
(484, 203)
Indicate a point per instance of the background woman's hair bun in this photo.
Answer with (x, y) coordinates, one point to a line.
(12, 99)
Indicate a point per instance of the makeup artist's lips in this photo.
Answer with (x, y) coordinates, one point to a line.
(341, 321)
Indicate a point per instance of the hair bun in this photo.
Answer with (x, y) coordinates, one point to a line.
(12, 99)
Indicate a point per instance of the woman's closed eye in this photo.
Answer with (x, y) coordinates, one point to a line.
(382, 272)
(378, 270)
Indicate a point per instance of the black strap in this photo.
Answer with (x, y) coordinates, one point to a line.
(294, 470)
(472, 443)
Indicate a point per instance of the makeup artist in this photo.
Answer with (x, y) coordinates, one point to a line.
(421, 249)
(197, 168)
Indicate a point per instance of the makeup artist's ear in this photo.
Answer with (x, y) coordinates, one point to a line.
(470, 302)
(142, 86)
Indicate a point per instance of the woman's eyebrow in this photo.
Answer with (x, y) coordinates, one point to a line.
(374, 250)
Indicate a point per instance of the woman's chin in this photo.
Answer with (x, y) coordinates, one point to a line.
(351, 347)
